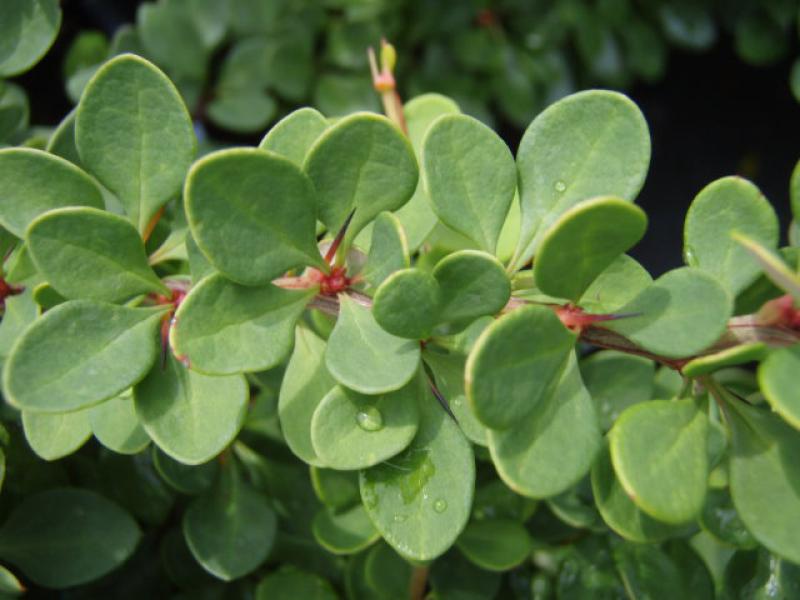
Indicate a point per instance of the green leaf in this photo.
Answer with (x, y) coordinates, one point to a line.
(80, 353)
(773, 265)
(682, 313)
(190, 416)
(726, 205)
(453, 577)
(55, 435)
(33, 182)
(514, 363)
(225, 328)
(345, 532)
(9, 584)
(618, 510)
(116, 425)
(760, 575)
(236, 204)
(187, 479)
(448, 371)
(407, 304)
(47, 297)
(293, 136)
(553, 447)
(387, 574)
(470, 177)
(89, 253)
(289, 583)
(336, 489)
(20, 312)
(65, 537)
(495, 544)
(417, 216)
(242, 111)
(305, 383)
(720, 519)
(14, 111)
(649, 572)
(351, 431)
(616, 381)
(794, 191)
(27, 30)
(472, 284)
(231, 529)
(583, 242)
(764, 478)
(593, 143)
(388, 250)
(362, 163)
(777, 377)
(658, 449)
(730, 357)
(363, 357)
(420, 500)
(142, 149)
(167, 34)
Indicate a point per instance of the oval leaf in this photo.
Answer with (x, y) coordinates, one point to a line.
(142, 148)
(89, 253)
(224, 328)
(362, 356)
(514, 363)
(27, 30)
(81, 353)
(583, 242)
(55, 435)
(407, 304)
(495, 544)
(345, 532)
(192, 417)
(777, 377)
(252, 214)
(293, 136)
(388, 250)
(116, 425)
(470, 177)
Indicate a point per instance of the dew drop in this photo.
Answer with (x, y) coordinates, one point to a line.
(399, 518)
(440, 505)
(370, 419)
(689, 257)
(560, 186)
(457, 401)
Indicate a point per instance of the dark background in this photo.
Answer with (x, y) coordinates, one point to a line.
(711, 115)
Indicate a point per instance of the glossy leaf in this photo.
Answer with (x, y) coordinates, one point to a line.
(777, 377)
(89, 253)
(764, 479)
(616, 381)
(470, 177)
(67, 536)
(116, 425)
(583, 242)
(336, 489)
(495, 544)
(682, 313)
(33, 182)
(593, 143)
(388, 250)
(420, 500)
(28, 29)
(252, 214)
(80, 353)
(142, 149)
(773, 265)
(231, 529)
(554, 446)
(55, 435)
(293, 136)
(305, 383)
(472, 284)
(190, 416)
(345, 532)
(407, 304)
(730, 357)
(659, 453)
(618, 284)
(224, 328)
(720, 519)
(362, 356)
(362, 163)
(186, 479)
(290, 582)
(351, 431)
(514, 363)
(726, 205)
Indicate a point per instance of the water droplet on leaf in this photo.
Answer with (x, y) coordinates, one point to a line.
(560, 186)
(399, 518)
(370, 419)
(440, 505)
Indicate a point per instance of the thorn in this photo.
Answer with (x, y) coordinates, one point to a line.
(331, 254)
(437, 393)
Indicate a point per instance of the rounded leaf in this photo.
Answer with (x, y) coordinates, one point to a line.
(470, 177)
(777, 377)
(55, 435)
(407, 304)
(33, 182)
(80, 353)
(344, 532)
(495, 544)
(351, 431)
(293, 136)
(27, 30)
(593, 143)
(224, 328)
(252, 214)
(514, 363)
(65, 537)
(289, 583)
(388, 250)
(583, 242)
(116, 425)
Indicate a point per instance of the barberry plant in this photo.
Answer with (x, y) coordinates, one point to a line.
(411, 311)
